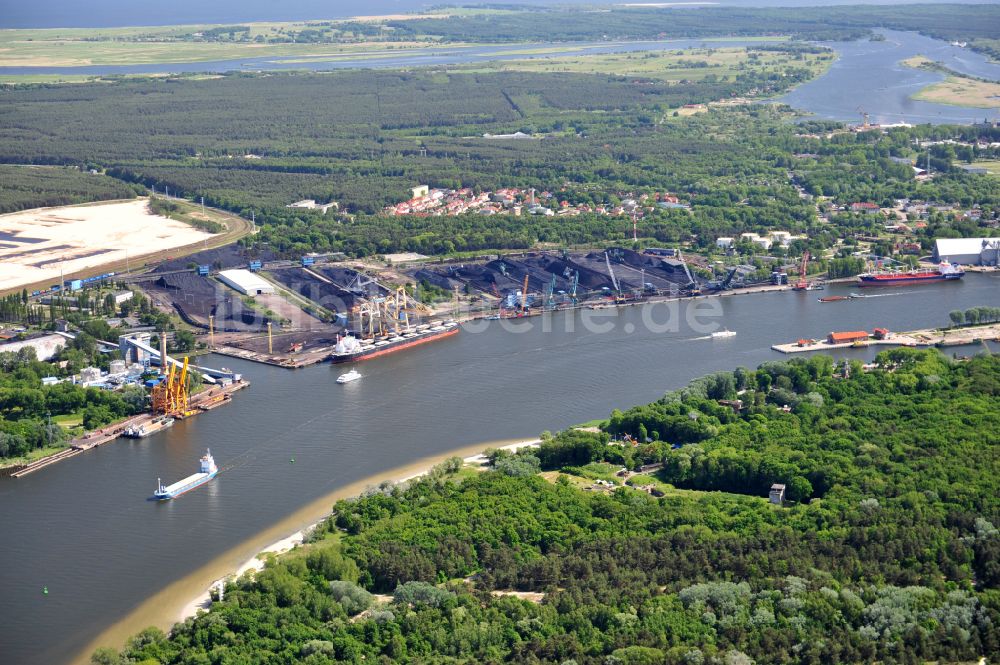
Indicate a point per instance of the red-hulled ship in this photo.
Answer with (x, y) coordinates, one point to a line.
(943, 272)
(350, 348)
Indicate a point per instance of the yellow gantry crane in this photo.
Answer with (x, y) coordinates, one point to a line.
(170, 397)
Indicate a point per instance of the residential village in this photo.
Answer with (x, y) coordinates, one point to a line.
(514, 201)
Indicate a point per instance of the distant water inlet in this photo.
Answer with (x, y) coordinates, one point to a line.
(868, 75)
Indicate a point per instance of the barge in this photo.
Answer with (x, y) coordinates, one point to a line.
(147, 429)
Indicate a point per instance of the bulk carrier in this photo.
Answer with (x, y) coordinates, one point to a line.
(350, 348)
(943, 272)
(208, 470)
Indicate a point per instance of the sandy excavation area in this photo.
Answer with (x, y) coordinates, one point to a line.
(36, 245)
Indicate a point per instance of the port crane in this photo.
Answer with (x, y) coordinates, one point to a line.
(390, 313)
(611, 273)
(692, 284)
(170, 396)
(524, 296)
(865, 124)
(803, 283)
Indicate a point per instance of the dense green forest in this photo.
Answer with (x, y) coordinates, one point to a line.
(23, 187)
(886, 549)
(257, 143)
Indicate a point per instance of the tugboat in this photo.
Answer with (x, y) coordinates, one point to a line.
(208, 471)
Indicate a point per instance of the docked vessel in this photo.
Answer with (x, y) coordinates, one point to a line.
(723, 333)
(351, 349)
(834, 298)
(208, 470)
(353, 375)
(147, 429)
(944, 271)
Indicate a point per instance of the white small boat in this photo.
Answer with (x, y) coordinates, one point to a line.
(723, 333)
(353, 375)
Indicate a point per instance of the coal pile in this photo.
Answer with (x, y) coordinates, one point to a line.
(220, 258)
(330, 296)
(503, 276)
(196, 298)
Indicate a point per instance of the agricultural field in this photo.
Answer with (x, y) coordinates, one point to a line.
(75, 47)
(717, 62)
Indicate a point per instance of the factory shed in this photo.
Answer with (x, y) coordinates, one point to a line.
(246, 282)
(968, 251)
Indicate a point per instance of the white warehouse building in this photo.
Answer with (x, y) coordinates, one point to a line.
(246, 282)
(968, 251)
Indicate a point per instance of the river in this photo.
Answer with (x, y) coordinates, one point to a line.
(868, 75)
(84, 529)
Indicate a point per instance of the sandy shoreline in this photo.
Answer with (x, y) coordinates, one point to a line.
(183, 598)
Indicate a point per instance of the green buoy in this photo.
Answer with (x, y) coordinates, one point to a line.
(291, 461)
(45, 590)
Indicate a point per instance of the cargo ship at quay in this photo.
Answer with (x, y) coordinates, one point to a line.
(350, 348)
(942, 272)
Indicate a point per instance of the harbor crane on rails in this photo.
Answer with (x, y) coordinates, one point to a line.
(803, 283)
(524, 297)
(692, 283)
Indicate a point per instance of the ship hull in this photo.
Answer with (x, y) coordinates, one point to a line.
(905, 280)
(173, 492)
(376, 351)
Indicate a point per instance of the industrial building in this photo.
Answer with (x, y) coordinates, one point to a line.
(968, 251)
(246, 282)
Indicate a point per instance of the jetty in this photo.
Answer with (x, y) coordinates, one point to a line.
(940, 337)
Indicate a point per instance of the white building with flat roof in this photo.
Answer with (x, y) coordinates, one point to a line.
(968, 251)
(246, 282)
